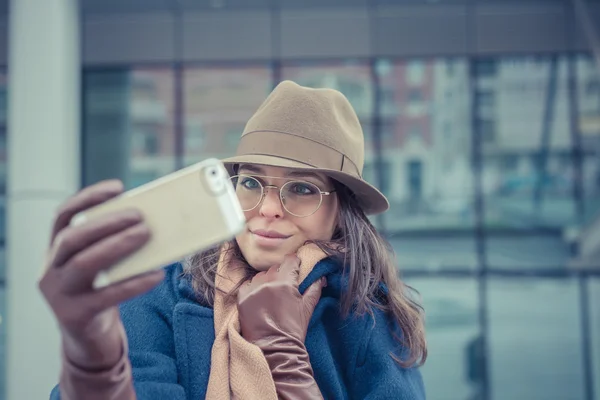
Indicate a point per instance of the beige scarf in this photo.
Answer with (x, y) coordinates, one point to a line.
(238, 368)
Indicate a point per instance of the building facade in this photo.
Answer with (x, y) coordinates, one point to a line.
(482, 127)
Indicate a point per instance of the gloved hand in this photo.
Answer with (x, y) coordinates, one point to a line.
(93, 338)
(274, 316)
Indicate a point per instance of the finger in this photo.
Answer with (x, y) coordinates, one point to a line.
(259, 279)
(312, 295)
(80, 271)
(290, 268)
(117, 293)
(273, 272)
(86, 198)
(252, 283)
(71, 240)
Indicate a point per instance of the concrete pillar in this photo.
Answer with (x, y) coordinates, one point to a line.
(43, 168)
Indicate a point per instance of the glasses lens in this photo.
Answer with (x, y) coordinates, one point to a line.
(301, 198)
(248, 190)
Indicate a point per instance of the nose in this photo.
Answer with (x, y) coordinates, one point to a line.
(271, 206)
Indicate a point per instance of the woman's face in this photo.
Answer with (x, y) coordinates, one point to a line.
(271, 232)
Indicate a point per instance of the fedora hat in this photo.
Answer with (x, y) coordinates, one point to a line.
(309, 129)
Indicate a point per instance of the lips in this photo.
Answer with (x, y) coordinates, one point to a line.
(270, 234)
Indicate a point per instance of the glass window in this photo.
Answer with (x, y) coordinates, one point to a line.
(416, 73)
(453, 336)
(591, 186)
(527, 122)
(3, 176)
(2, 338)
(218, 101)
(128, 124)
(429, 148)
(535, 339)
(435, 252)
(486, 68)
(523, 251)
(589, 126)
(594, 299)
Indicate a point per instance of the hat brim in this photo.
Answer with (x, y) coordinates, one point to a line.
(371, 200)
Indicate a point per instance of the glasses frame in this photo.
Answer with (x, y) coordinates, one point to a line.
(263, 192)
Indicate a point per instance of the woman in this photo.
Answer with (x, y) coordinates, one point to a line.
(305, 303)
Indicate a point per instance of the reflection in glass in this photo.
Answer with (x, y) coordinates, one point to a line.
(2, 339)
(588, 91)
(523, 122)
(435, 253)
(533, 251)
(3, 150)
(128, 125)
(591, 186)
(3, 124)
(535, 339)
(594, 299)
(452, 368)
(217, 104)
(426, 144)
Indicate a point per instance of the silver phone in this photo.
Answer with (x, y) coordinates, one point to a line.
(187, 211)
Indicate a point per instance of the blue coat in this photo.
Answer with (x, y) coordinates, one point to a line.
(171, 335)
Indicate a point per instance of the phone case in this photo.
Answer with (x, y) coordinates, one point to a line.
(186, 211)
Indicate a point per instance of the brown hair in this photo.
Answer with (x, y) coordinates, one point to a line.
(368, 261)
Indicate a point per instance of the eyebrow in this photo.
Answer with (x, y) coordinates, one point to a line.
(298, 174)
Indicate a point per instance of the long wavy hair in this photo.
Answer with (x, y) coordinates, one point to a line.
(368, 260)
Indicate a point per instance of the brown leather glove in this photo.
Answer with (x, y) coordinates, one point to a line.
(95, 363)
(274, 316)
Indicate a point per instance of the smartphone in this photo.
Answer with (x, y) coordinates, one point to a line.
(186, 211)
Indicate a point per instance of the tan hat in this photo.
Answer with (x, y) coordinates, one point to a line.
(309, 129)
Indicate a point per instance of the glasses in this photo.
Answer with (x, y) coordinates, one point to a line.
(299, 198)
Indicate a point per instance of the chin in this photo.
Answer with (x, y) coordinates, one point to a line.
(263, 260)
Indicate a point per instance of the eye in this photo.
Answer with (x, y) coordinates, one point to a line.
(249, 183)
(303, 189)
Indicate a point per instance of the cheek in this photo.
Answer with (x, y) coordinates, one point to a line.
(321, 225)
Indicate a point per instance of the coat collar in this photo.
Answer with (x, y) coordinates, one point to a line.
(331, 268)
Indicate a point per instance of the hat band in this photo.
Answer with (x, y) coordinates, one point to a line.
(295, 148)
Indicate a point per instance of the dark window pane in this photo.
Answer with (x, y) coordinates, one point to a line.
(128, 125)
(535, 339)
(430, 252)
(3, 266)
(522, 251)
(425, 114)
(486, 68)
(218, 103)
(525, 131)
(452, 368)
(591, 186)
